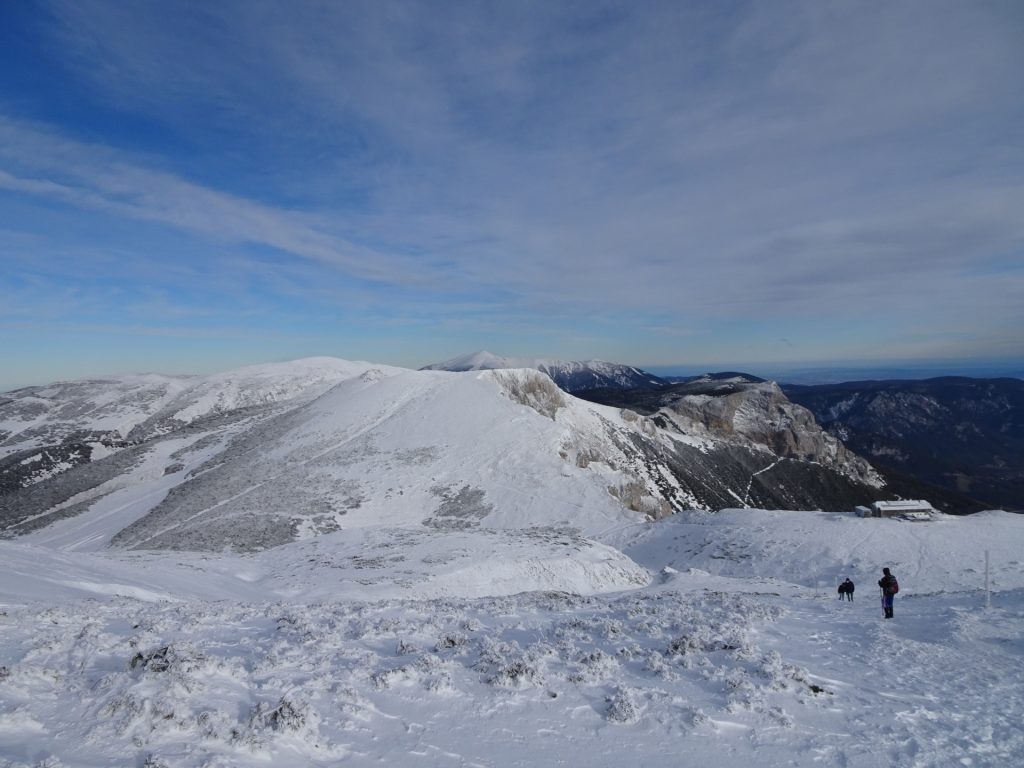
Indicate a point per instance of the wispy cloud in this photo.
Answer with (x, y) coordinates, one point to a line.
(96, 178)
(660, 165)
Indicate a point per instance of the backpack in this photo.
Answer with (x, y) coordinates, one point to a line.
(894, 586)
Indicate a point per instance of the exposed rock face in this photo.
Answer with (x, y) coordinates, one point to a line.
(760, 413)
(738, 411)
(532, 389)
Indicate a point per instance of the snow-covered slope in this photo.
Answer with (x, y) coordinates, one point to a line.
(254, 386)
(570, 376)
(820, 549)
(449, 466)
(39, 416)
(737, 652)
(397, 448)
(94, 408)
(45, 431)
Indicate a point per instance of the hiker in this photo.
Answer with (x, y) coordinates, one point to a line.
(889, 587)
(846, 590)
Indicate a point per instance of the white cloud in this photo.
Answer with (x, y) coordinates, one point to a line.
(552, 160)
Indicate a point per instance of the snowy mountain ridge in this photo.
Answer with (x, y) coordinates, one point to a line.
(114, 407)
(262, 456)
(568, 375)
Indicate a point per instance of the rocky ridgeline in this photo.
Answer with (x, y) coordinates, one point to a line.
(760, 414)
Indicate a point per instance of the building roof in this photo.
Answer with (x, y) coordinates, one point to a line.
(902, 504)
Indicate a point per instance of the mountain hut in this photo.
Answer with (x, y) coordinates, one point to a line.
(898, 508)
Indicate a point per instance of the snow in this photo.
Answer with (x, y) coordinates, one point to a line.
(462, 589)
(390, 448)
(262, 384)
(573, 375)
(36, 415)
(483, 360)
(120, 501)
(731, 650)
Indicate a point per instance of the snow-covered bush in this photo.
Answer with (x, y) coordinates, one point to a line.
(517, 674)
(623, 706)
(168, 658)
(594, 667)
(287, 716)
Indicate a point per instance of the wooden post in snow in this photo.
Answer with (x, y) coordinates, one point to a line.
(988, 592)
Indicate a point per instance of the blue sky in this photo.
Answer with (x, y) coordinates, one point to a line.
(188, 187)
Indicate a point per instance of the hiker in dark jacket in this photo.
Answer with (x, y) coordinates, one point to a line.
(889, 588)
(846, 589)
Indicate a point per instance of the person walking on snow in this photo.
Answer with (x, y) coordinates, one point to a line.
(889, 587)
(846, 590)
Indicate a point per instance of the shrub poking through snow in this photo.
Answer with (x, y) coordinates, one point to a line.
(518, 674)
(781, 716)
(184, 681)
(405, 648)
(450, 641)
(623, 706)
(169, 658)
(682, 645)
(385, 678)
(286, 716)
(594, 667)
(655, 664)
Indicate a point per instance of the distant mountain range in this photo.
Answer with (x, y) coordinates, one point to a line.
(961, 434)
